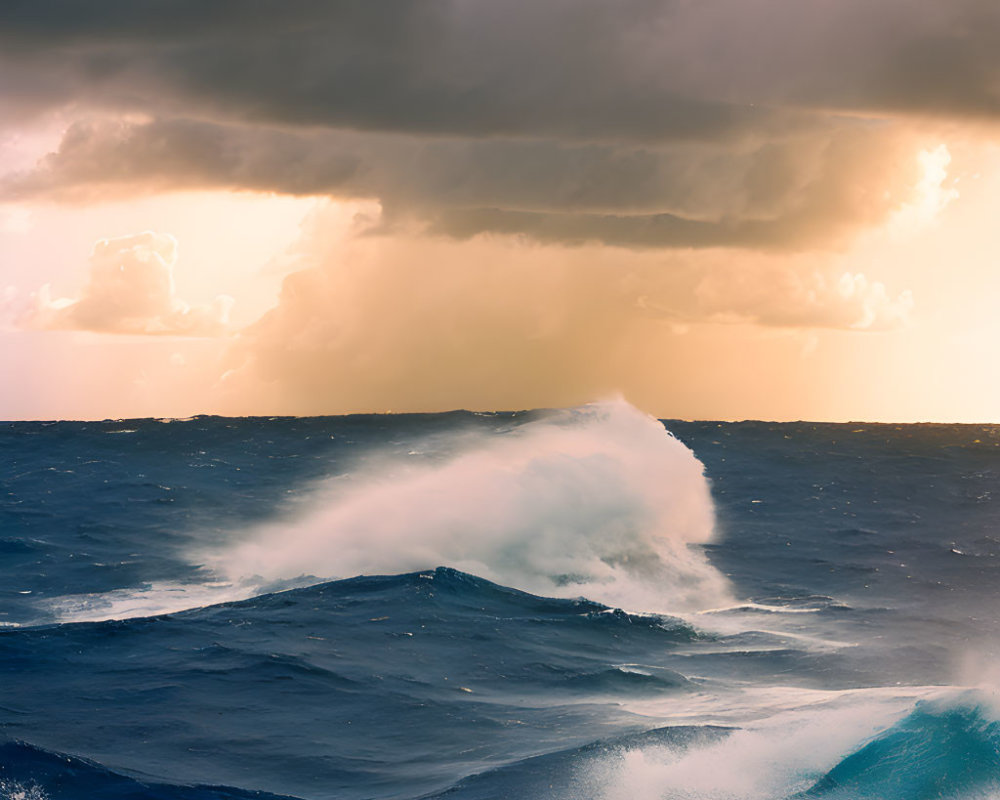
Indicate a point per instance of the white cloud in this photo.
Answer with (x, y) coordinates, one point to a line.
(130, 289)
(931, 195)
(788, 297)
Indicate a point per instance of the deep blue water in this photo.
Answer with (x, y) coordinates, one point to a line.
(537, 605)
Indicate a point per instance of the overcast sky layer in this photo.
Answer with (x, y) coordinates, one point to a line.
(719, 208)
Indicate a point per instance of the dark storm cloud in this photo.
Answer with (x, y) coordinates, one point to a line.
(768, 194)
(638, 122)
(793, 194)
(573, 68)
(560, 68)
(525, 174)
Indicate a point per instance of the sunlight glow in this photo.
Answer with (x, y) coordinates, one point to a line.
(930, 195)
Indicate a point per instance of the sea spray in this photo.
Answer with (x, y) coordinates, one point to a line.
(438, 683)
(781, 742)
(600, 502)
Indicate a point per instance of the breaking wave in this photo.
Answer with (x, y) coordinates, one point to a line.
(601, 502)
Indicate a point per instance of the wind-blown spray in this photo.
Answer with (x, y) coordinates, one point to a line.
(601, 502)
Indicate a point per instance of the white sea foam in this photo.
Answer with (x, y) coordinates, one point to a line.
(601, 502)
(146, 601)
(14, 790)
(787, 739)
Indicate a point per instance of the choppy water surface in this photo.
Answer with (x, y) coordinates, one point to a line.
(559, 605)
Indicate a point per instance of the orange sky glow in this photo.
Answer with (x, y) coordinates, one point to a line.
(709, 237)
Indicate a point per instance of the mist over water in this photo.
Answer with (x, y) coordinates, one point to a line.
(600, 502)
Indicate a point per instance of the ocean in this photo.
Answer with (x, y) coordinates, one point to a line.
(561, 605)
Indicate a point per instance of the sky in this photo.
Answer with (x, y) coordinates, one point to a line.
(718, 209)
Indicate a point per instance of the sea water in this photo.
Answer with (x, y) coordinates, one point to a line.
(570, 604)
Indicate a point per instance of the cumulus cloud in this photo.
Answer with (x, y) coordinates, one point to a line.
(931, 194)
(130, 289)
(415, 323)
(788, 297)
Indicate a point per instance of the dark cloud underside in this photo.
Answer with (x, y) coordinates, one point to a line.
(574, 68)
(652, 124)
(787, 191)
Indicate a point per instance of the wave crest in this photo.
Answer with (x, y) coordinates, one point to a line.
(600, 501)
